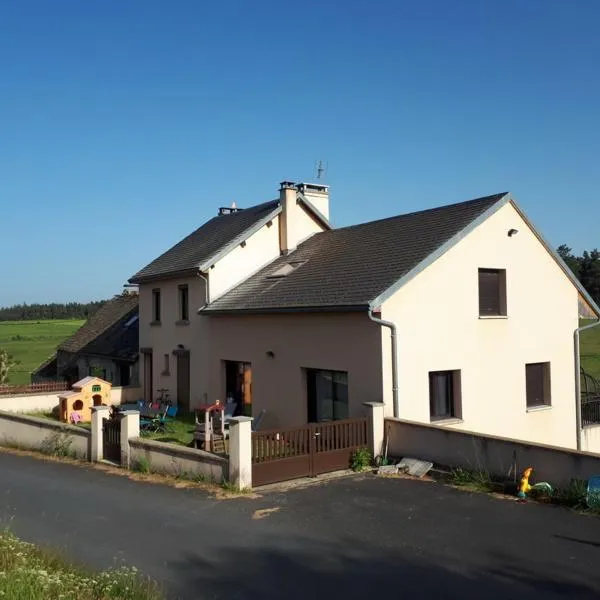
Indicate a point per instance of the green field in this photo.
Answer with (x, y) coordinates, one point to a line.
(32, 342)
(590, 350)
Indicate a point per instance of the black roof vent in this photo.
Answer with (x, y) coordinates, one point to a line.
(228, 210)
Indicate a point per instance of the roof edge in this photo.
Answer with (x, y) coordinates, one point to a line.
(170, 275)
(316, 213)
(561, 263)
(292, 309)
(225, 250)
(440, 251)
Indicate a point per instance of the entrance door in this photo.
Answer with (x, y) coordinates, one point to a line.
(148, 377)
(238, 385)
(124, 377)
(183, 381)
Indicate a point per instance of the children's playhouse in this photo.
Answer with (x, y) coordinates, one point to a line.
(76, 405)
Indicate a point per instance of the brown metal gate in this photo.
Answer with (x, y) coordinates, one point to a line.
(283, 454)
(111, 439)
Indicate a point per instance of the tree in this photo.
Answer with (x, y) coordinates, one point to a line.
(571, 261)
(6, 364)
(589, 273)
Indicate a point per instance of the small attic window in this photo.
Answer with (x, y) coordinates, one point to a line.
(286, 269)
(131, 321)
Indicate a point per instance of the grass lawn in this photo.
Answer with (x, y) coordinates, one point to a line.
(31, 573)
(179, 431)
(590, 350)
(32, 342)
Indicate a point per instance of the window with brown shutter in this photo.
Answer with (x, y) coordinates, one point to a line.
(183, 303)
(156, 305)
(537, 377)
(445, 395)
(492, 292)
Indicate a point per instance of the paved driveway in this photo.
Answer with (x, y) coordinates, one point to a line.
(350, 538)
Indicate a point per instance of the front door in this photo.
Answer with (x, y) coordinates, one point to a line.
(183, 381)
(148, 377)
(238, 384)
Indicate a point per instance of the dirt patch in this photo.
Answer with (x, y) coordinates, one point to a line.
(264, 512)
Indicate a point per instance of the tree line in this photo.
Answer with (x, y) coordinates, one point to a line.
(585, 267)
(55, 310)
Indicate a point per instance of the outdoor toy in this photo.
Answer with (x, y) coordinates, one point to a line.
(525, 487)
(76, 405)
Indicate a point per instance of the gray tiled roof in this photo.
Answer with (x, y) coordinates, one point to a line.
(111, 312)
(352, 266)
(207, 242)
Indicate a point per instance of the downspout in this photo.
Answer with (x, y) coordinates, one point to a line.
(578, 379)
(393, 333)
(206, 300)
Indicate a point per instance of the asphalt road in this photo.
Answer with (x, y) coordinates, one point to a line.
(351, 538)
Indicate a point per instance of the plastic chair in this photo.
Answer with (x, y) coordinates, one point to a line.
(593, 492)
(256, 422)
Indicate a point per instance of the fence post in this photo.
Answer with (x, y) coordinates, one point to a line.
(130, 428)
(240, 452)
(376, 427)
(99, 413)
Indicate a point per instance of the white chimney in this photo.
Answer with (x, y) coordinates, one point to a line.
(318, 195)
(299, 220)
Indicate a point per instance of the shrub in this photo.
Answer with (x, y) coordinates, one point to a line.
(362, 459)
(57, 443)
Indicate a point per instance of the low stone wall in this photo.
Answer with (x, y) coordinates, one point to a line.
(173, 459)
(24, 403)
(33, 433)
(496, 455)
(125, 395)
(590, 438)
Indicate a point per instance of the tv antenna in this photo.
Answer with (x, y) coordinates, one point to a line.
(320, 169)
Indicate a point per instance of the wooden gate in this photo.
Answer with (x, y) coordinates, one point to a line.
(111, 439)
(283, 454)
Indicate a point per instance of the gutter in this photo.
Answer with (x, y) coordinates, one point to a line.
(206, 298)
(578, 379)
(393, 332)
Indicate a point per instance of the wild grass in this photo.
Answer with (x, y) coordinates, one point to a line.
(28, 572)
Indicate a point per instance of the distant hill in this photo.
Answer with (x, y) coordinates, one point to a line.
(45, 312)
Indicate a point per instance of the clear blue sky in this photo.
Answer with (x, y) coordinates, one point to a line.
(124, 125)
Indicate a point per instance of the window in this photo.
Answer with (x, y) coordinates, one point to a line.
(327, 395)
(492, 292)
(445, 395)
(166, 365)
(537, 377)
(184, 312)
(156, 305)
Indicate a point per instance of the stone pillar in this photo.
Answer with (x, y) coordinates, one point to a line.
(130, 428)
(99, 413)
(240, 452)
(376, 427)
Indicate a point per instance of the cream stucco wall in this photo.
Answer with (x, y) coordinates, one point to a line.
(259, 249)
(342, 342)
(439, 328)
(165, 338)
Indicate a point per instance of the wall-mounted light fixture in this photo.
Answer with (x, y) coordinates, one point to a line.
(512, 232)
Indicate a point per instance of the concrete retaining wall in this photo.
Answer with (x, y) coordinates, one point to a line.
(173, 459)
(46, 402)
(33, 433)
(453, 448)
